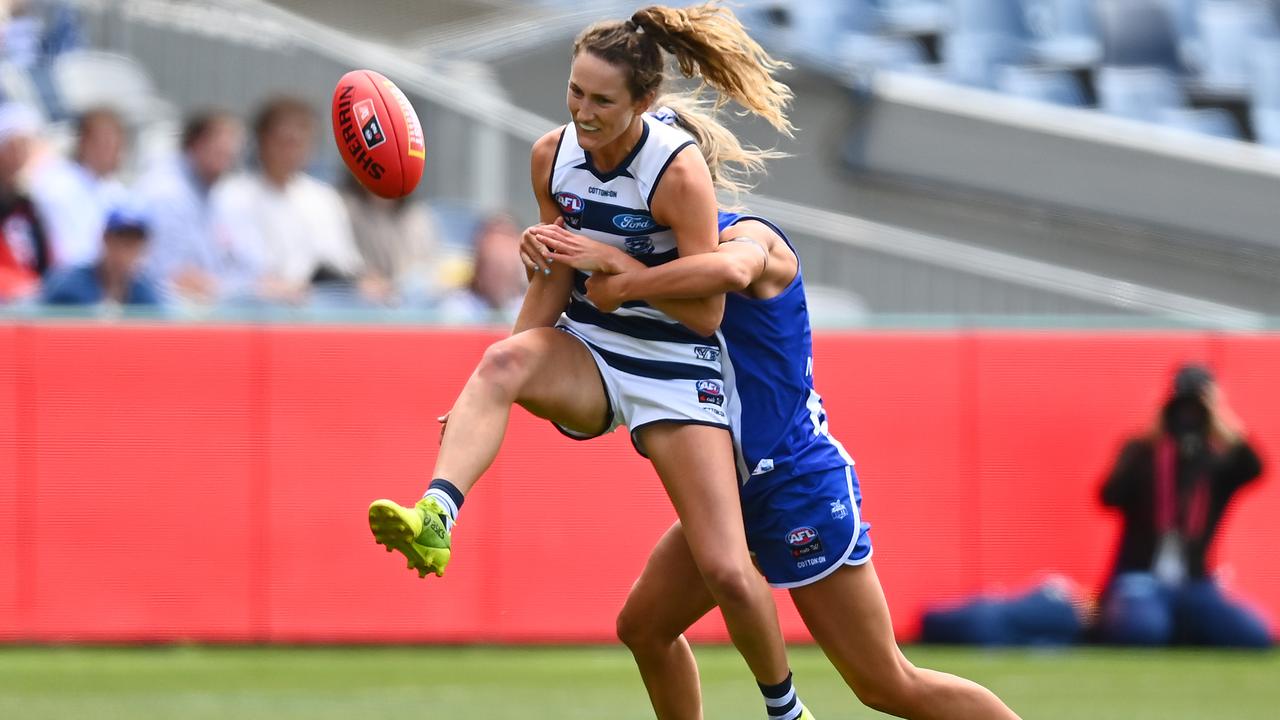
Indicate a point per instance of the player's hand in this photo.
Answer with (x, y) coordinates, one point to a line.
(1224, 424)
(534, 255)
(195, 284)
(605, 291)
(444, 423)
(577, 251)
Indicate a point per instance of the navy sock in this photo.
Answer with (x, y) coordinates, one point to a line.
(449, 497)
(781, 700)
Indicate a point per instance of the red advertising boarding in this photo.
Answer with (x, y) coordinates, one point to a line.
(166, 483)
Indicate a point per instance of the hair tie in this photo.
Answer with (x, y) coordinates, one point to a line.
(666, 116)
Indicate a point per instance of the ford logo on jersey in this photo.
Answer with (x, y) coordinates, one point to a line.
(634, 223)
(571, 204)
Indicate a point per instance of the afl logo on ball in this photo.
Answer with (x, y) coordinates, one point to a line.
(370, 128)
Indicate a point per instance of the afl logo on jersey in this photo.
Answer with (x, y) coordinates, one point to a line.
(633, 223)
(570, 204)
(370, 128)
(711, 392)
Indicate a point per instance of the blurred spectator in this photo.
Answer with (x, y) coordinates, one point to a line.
(396, 240)
(498, 282)
(1172, 488)
(25, 255)
(298, 223)
(189, 253)
(74, 195)
(33, 30)
(117, 277)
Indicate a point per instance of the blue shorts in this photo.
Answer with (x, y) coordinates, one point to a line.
(802, 529)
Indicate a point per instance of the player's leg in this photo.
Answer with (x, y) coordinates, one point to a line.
(847, 614)
(668, 597)
(696, 465)
(547, 371)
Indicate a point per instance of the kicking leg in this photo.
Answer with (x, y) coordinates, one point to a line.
(548, 372)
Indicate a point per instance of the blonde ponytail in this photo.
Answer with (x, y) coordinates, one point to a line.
(731, 163)
(710, 43)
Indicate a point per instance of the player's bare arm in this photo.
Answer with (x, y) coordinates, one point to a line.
(548, 292)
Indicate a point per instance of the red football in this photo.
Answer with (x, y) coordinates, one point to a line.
(378, 133)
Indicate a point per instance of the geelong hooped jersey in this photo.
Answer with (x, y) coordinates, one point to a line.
(783, 427)
(614, 207)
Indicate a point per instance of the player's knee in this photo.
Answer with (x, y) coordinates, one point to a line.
(505, 365)
(637, 632)
(630, 628)
(731, 584)
(891, 692)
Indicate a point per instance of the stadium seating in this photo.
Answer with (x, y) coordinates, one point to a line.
(913, 17)
(1138, 93)
(1051, 86)
(976, 58)
(1266, 93)
(1066, 32)
(1229, 29)
(1202, 65)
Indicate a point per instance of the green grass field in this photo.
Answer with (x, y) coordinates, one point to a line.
(194, 683)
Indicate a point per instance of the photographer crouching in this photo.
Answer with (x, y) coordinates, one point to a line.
(1172, 487)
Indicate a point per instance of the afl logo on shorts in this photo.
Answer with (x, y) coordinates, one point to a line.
(804, 542)
(710, 392)
(370, 128)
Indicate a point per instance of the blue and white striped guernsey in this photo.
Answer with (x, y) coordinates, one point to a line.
(614, 208)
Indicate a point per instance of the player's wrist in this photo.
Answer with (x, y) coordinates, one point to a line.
(623, 286)
(614, 261)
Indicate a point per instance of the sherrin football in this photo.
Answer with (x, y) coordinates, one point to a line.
(378, 133)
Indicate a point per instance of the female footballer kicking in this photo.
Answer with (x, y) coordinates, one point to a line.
(630, 181)
(801, 501)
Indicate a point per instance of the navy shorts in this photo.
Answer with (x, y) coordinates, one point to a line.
(805, 528)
